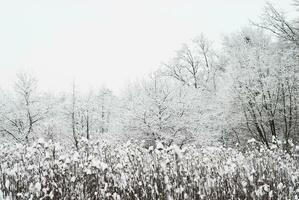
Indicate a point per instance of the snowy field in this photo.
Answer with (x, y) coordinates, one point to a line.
(102, 171)
(149, 100)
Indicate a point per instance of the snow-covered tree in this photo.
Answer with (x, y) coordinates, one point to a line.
(265, 82)
(277, 23)
(163, 109)
(196, 65)
(95, 112)
(23, 110)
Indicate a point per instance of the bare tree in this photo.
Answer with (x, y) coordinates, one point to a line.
(275, 22)
(73, 115)
(160, 109)
(265, 80)
(86, 112)
(195, 65)
(26, 111)
(25, 87)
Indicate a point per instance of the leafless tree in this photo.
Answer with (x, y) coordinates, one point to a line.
(73, 115)
(275, 22)
(24, 112)
(195, 65)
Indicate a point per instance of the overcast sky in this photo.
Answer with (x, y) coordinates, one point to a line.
(108, 42)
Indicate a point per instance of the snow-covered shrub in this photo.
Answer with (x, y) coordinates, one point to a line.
(99, 170)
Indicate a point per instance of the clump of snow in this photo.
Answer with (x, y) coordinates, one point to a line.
(252, 140)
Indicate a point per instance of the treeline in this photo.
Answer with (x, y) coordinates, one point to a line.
(247, 88)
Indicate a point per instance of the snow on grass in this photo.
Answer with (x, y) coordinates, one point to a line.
(129, 171)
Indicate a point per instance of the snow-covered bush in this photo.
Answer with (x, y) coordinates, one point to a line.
(99, 170)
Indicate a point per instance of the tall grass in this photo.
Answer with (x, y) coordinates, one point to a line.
(46, 170)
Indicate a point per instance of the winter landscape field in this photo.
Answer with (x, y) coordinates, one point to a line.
(149, 100)
(46, 170)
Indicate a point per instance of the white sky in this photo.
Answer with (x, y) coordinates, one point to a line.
(108, 42)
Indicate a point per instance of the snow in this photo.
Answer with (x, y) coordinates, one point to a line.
(135, 167)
